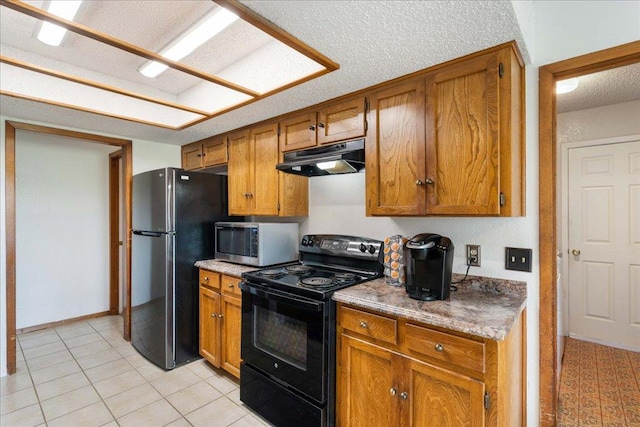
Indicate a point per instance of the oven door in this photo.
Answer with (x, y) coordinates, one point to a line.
(284, 336)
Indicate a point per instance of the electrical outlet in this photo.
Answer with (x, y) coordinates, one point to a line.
(473, 255)
(518, 259)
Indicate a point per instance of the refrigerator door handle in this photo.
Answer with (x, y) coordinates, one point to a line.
(149, 233)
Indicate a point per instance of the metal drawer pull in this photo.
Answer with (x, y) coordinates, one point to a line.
(231, 285)
(206, 278)
(363, 324)
(393, 391)
(439, 347)
(213, 315)
(220, 316)
(404, 395)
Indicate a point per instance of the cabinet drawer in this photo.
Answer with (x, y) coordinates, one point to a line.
(374, 326)
(210, 279)
(229, 285)
(453, 349)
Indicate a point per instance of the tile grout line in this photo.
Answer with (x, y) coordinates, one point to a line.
(33, 384)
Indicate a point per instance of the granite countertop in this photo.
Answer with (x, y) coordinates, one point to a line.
(224, 267)
(484, 307)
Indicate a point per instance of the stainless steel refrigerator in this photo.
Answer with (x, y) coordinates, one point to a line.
(174, 212)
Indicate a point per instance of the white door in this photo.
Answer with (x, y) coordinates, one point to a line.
(604, 243)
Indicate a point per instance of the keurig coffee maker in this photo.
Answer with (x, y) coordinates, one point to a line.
(429, 263)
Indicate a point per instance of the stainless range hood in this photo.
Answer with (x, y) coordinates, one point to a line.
(346, 157)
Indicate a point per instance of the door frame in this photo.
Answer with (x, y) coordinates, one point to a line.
(10, 219)
(548, 183)
(114, 231)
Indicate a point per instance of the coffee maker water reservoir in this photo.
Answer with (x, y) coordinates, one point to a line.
(428, 267)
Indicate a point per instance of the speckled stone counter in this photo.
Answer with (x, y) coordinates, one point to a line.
(482, 306)
(224, 267)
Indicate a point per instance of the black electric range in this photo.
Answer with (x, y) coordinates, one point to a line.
(289, 328)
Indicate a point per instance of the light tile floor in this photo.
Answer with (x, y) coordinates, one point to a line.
(85, 374)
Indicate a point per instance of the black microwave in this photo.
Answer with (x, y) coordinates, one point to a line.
(256, 243)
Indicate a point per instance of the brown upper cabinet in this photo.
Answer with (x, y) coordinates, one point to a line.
(450, 142)
(256, 187)
(205, 153)
(336, 122)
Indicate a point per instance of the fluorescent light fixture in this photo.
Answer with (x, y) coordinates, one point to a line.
(566, 86)
(194, 37)
(52, 34)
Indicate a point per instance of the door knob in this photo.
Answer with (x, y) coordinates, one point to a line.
(576, 252)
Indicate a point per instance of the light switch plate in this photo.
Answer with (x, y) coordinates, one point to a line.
(518, 259)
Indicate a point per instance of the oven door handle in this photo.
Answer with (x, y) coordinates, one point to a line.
(292, 300)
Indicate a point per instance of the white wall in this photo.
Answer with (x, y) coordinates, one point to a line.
(147, 155)
(597, 123)
(62, 228)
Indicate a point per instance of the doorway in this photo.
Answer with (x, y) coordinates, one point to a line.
(10, 202)
(548, 160)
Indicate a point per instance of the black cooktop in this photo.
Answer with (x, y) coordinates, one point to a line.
(317, 282)
(328, 262)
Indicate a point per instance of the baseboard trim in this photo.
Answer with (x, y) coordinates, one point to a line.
(61, 322)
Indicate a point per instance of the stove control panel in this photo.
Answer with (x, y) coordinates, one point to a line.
(340, 245)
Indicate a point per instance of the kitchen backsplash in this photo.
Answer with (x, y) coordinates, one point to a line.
(337, 205)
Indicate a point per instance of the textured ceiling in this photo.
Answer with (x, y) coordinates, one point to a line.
(373, 41)
(604, 88)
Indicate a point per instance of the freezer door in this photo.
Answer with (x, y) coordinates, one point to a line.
(152, 208)
(152, 296)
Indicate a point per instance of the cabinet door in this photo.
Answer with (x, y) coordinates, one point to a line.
(341, 121)
(240, 174)
(437, 397)
(192, 156)
(298, 132)
(210, 326)
(463, 138)
(395, 151)
(214, 151)
(264, 158)
(231, 321)
(367, 390)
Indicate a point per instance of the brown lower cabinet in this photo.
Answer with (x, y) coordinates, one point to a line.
(393, 371)
(220, 319)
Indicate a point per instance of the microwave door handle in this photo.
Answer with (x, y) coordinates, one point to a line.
(149, 233)
(288, 299)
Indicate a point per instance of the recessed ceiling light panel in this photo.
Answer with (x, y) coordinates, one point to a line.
(191, 39)
(52, 34)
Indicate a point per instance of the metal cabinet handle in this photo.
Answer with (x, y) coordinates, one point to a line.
(428, 181)
(213, 315)
(220, 316)
(419, 182)
(576, 252)
(312, 127)
(206, 278)
(439, 348)
(321, 125)
(393, 391)
(231, 285)
(404, 395)
(364, 324)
